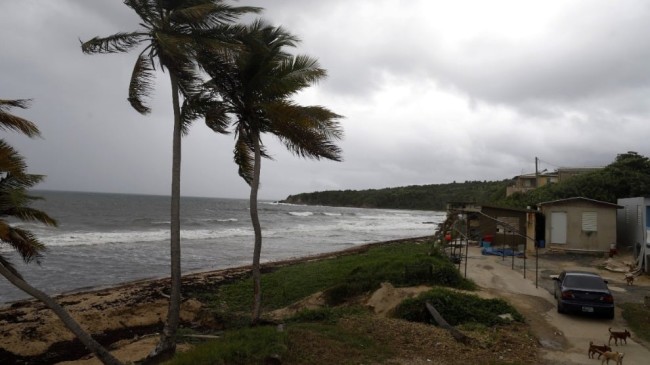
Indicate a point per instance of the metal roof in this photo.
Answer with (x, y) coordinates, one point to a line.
(568, 200)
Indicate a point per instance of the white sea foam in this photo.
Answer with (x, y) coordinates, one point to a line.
(301, 214)
(100, 238)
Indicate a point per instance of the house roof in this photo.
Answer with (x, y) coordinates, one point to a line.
(474, 207)
(533, 175)
(570, 200)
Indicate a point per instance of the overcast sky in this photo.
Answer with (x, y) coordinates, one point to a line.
(432, 92)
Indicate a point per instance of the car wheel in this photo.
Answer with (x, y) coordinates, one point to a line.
(559, 307)
(610, 315)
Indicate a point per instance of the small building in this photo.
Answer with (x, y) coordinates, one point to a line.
(580, 224)
(531, 181)
(633, 228)
(503, 227)
(527, 182)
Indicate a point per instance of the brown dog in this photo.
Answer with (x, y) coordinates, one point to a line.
(616, 356)
(595, 349)
(629, 278)
(617, 335)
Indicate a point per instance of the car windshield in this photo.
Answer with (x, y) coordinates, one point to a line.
(585, 281)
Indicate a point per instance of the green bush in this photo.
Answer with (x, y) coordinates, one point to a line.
(456, 308)
(448, 275)
(326, 314)
(423, 271)
(359, 281)
(241, 347)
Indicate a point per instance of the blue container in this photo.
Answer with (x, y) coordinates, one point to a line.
(541, 244)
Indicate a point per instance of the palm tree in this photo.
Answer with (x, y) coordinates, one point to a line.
(14, 203)
(172, 32)
(255, 88)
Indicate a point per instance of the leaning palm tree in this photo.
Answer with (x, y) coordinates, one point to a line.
(14, 203)
(172, 32)
(255, 88)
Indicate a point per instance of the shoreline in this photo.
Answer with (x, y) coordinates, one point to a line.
(268, 264)
(31, 334)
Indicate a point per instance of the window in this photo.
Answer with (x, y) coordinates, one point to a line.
(510, 224)
(589, 221)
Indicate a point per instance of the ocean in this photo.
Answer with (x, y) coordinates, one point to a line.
(107, 239)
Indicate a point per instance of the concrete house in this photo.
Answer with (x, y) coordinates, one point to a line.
(633, 228)
(580, 224)
(531, 181)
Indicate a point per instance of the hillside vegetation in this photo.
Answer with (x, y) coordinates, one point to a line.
(424, 197)
(627, 176)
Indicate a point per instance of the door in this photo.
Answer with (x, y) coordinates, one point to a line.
(558, 227)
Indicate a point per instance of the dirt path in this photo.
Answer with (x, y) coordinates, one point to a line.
(565, 339)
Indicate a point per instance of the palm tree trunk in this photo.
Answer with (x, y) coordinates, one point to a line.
(102, 354)
(167, 344)
(257, 250)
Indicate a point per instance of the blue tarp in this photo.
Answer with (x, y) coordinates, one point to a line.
(500, 252)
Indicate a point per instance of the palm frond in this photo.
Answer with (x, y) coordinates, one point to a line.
(7, 104)
(148, 10)
(296, 73)
(117, 43)
(206, 106)
(24, 242)
(244, 158)
(306, 131)
(20, 181)
(190, 82)
(141, 85)
(9, 121)
(208, 14)
(11, 161)
(31, 214)
(217, 119)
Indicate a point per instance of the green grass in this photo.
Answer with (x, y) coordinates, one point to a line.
(315, 336)
(637, 316)
(357, 273)
(237, 347)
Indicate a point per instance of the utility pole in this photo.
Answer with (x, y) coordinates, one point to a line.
(536, 173)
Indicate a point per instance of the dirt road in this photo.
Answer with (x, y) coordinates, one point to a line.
(564, 338)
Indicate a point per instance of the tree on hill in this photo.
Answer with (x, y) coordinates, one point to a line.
(627, 176)
(423, 197)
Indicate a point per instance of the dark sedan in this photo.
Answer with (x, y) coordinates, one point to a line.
(583, 292)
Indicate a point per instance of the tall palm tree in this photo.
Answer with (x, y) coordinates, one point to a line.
(14, 202)
(172, 33)
(255, 88)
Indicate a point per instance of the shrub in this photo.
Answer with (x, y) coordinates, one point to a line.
(448, 275)
(241, 347)
(456, 308)
(326, 314)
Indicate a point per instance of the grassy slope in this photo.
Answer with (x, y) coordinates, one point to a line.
(335, 334)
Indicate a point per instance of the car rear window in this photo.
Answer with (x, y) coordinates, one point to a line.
(584, 281)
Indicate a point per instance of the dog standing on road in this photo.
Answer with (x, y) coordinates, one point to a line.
(616, 356)
(595, 349)
(617, 335)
